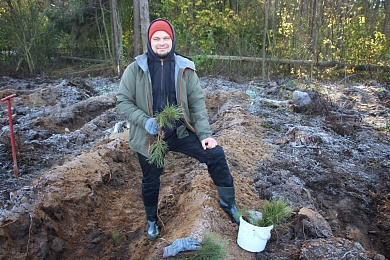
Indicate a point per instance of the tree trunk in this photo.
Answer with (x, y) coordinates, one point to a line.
(145, 21)
(233, 5)
(387, 18)
(263, 54)
(107, 38)
(137, 28)
(101, 37)
(376, 10)
(313, 27)
(116, 38)
(313, 40)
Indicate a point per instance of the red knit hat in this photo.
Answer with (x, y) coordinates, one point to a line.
(160, 25)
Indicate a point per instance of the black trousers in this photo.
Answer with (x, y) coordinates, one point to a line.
(215, 160)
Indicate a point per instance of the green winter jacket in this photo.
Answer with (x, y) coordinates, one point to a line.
(134, 101)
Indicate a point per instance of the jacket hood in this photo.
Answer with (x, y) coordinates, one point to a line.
(181, 62)
(150, 51)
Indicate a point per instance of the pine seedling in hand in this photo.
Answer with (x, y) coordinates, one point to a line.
(159, 147)
(169, 116)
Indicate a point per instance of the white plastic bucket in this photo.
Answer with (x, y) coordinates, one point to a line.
(253, 238)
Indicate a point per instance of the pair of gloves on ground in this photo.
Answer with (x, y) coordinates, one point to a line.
(181, 244)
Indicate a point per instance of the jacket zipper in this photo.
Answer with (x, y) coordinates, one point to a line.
(162, 77)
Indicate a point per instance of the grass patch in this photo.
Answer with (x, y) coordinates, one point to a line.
(116, 239)
(213, 248)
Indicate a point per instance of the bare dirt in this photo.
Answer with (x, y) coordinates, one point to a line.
(79, 184)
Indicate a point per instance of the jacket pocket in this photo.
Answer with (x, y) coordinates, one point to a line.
(182, 131)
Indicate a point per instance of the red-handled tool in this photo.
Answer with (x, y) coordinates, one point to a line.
(11, 130)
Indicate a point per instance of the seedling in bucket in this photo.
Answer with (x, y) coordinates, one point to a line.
(255, 227)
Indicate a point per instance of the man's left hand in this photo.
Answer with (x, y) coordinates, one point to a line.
(209, 143)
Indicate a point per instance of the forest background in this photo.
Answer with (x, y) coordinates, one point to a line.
(269, 38)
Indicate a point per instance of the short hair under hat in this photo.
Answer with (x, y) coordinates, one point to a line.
(160, 25)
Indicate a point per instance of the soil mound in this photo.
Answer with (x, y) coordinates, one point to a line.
(78, 195)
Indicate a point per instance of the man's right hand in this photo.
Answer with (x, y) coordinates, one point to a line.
(151, 126)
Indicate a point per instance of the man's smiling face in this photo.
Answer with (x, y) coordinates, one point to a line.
(161, 43)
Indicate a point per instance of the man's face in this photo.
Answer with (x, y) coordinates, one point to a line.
(161, 43)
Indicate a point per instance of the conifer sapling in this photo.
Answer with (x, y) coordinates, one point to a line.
(166, 118)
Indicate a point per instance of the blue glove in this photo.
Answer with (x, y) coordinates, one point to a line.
(151, 126)
(181, 244)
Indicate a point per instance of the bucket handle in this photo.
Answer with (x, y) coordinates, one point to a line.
(261, 234)
(263, 237)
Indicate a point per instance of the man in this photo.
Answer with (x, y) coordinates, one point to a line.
(155, 79)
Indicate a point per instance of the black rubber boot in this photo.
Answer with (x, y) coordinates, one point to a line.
(228, 203)
(151, 218)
